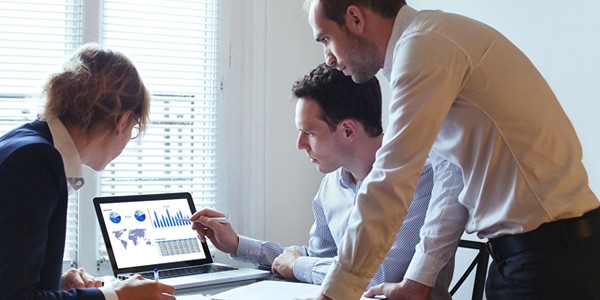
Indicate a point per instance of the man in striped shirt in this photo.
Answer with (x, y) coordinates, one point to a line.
(340, 130)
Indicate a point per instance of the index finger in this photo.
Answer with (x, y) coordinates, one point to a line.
(207, 212)
(374, 291)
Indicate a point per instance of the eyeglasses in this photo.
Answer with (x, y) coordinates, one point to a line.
(135, 131)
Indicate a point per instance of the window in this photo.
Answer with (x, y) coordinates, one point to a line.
(35, 36)
(174, 45)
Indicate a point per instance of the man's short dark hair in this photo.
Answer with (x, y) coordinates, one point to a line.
(339, 98)
(335, 10)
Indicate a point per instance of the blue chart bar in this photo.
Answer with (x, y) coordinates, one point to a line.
(168, 220)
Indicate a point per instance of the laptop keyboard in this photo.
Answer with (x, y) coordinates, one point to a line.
(188, 271)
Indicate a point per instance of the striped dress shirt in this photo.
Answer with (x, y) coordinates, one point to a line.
(331, 208)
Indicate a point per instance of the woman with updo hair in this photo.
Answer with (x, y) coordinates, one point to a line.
(94, 107)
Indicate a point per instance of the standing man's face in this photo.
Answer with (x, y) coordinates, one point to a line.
(324, 147)
(348, 52)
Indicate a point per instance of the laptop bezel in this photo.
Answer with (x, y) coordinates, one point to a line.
(145, 197)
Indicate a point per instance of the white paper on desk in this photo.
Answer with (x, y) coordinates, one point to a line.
(191, 297)
(270, 290)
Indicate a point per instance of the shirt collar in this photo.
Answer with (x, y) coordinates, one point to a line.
(347, 181)
(403, 20)
(67, 149)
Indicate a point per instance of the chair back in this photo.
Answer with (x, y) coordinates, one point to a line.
(480, 261)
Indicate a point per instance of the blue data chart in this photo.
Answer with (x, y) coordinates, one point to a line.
(169, 220)
(115, 217)
(139, 215)
(178, 247)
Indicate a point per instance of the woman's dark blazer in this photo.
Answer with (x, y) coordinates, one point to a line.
(33, 215)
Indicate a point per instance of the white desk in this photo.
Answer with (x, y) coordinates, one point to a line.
(276, 289)
(212, 289)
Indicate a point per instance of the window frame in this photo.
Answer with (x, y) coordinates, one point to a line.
(88, 254)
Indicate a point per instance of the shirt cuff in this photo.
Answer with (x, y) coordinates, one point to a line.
(424, 269)
(247, 249)
(109, 293)
(303, 266)
(340, 284)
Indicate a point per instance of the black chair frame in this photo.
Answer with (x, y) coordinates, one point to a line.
(480, 261)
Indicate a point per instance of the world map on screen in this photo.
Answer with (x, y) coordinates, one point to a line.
(132, 237)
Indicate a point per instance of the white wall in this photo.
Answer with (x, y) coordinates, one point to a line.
(292, 179)
(269, 183)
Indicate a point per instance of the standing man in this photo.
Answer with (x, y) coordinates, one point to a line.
(464, 92)
(340, 130)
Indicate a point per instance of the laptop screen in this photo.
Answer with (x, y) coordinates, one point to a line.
(142, 232)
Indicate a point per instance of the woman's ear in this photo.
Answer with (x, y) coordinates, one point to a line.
(123, 122)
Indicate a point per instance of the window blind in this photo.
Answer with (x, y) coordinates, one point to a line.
(35, 37)
(174, 45)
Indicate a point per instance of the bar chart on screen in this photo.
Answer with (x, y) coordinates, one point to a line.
(169, 219)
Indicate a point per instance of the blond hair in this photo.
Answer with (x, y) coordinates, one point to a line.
(97, 85)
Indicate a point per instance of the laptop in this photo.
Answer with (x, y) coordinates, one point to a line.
(144, 232)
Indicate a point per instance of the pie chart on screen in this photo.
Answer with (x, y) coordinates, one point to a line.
(139, 215)
(115, 217)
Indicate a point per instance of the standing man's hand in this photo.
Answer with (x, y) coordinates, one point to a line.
(221, 235)
(407, 289)
(284, 264)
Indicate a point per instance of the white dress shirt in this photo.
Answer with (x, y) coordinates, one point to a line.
(463, 91)
(68, 151)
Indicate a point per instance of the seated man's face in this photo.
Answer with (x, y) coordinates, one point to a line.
(324, 147)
